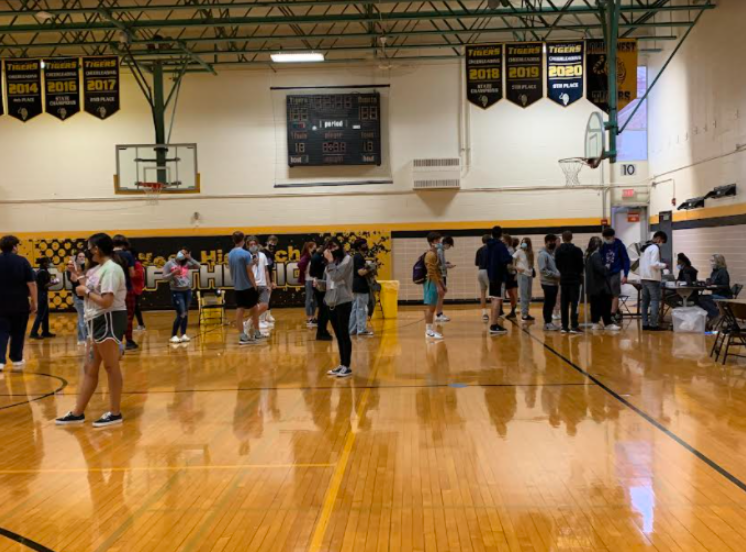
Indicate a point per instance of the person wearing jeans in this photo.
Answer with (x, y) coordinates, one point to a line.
(360, 290)
(318, 266)
(549, 276)
(651, 268)
(571, 266)
(524, 266)
(176, 272)
(304, 279)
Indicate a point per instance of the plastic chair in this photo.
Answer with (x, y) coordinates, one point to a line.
(211, 307)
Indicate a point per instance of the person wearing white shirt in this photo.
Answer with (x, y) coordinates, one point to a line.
(524, 267)
(651, 270)
(263, 280)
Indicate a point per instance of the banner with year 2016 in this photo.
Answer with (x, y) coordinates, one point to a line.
(23, 87)
(523, 64)
(62, 98)
(101, 86)
(565, 66)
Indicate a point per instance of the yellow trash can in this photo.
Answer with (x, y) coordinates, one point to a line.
(389, 298)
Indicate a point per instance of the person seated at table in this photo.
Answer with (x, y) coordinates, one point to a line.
(687, 273)
(719, 283)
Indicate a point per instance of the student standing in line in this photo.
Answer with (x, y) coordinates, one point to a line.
(269, 251)
(304, 278)
(617, 262)
(483, 278)
(651, 271)
(318, 275)
(598, 287)
(121, 246)
(44, 281)
(241, 262)
(18, 300)
(176, 273)
(79, 299)
(571, 266)
(445, 244)
(338, 297)
(524, 267)
(433, 287)
(360, 290)
(499, 263)
(511, 282)
(550, 277)
(105, 290)
(138, 287)
(261, 275)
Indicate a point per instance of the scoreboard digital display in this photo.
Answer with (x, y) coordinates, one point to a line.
(334, 129)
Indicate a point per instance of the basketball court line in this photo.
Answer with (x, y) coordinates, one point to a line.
(227, 467)
(647, 417)
(23, 541)
(50, 394)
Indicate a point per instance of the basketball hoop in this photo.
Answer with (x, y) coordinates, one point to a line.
(572, 166)
(152, 191)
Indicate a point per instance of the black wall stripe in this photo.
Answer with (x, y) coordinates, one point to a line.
(715, 222)
(329, 87)
(478, 232)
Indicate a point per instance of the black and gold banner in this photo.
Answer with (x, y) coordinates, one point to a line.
(565, 66)
(2, 111)
(101, 86)
(23, 87)
(523, 64)
(61, 83)
(484, 74)
(597, 73)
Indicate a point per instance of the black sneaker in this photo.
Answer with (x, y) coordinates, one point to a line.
(131, 346)
(576, 331)
(497, 329)
(44, 335)
(645, 328)
(108, 419)
(344, 372)
(335, 371)
(70, 419)
(528, 318)
(35, 336)
(324, 337)
(511, 316)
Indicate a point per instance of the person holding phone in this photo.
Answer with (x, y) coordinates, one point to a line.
(338, 297)
(79, 262)
(44, 281)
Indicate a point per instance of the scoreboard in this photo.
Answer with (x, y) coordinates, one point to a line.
(334, 129)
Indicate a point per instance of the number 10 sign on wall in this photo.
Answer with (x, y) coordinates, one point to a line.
(101, 86)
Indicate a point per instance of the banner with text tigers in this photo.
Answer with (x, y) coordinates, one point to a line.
(523, 63)
(62, 98)
(101, 86)
(597, 73)
(565, 72)
(484, 74)
(23, 86)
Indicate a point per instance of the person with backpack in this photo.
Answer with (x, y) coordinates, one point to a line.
(651, 269)
(617, 262)
(446, 242)
(570, 263)
(427, 272)
(598, 287)
(499, 264)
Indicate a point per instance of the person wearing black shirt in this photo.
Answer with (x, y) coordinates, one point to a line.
(720, 280)
(18, 299)
(360, 290)
(317, 272)
(121, 247)
(571, 265)
(44, 281)
(483, 276)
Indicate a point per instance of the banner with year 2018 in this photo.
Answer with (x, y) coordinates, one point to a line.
(597, 73)
(565, 66)
(523, 64)
(101, 86)
(62, 98)
(484, 74)
(23, 88)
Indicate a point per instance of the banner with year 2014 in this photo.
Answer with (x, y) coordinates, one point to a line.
(484, 74)
(62, 98)
(565, 72)
(23, 87)
(597, 73)
(101, 86)
(523, 64)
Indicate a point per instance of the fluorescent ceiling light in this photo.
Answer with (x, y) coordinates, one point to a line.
(298, 57)
(43, 15)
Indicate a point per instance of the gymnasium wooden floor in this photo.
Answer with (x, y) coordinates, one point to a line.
(525, 442)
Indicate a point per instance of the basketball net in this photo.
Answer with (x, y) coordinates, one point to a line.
(572, 166)
(152, 191)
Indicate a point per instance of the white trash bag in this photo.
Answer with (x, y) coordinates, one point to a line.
(689, 320)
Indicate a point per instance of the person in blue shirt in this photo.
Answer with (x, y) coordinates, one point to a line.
(241, 264)
(616, 260)
(498, 261)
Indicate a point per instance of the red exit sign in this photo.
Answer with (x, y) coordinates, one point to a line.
(628, 193)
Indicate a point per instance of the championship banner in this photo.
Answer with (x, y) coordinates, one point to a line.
(523, 64)
(23, 87)
(2, 111)
(597, 71)
(212, 254)
(61, 82)
(484, 74)
(101, 86)
(565, 72)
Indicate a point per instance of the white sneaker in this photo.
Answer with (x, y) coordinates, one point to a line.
(81, 342)
(175, 339)
(433, 335)
(442, 318)
(556, 316)
(18, 366)
(263, 325)
(485, 318)
(2, 367)
(550, 328)
(596, 327)
(140, 329)
(270, 318)
(185, 338)
(612, 328)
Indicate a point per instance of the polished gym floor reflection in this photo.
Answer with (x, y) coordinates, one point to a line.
(526, 442)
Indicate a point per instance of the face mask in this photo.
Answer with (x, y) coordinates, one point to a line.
(254, 249)
(270, 247)
(609, 241)
(679, 267)
(551, 246)
(524, 246)
(439, 246)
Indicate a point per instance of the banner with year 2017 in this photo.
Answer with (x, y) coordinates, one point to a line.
(565, 66)
(484, 74)
(597, 73)
(523, 64)
(23, 88)
(101, 86)
(62, 98)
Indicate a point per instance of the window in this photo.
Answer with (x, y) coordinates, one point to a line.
(632, 144)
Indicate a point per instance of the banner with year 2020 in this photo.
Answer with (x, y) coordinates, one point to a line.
(62, 98)
(484, 74)
(101, 86)
(565, 66)
(523, 64)
(597, 73)
(23, 88)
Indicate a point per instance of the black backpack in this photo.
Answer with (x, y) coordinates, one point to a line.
(419, 271)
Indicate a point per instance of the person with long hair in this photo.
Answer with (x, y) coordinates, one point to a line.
(138, 288)
(177, 272)
(122, 248)
(304, 278)
(524, 267)
(338, 297)
(598, 287)
(44, 281)
(719, 281)
(511, 282)
(79, 262)
(105, 289)
(687, 273)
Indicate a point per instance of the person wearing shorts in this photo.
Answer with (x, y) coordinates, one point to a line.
(105, 290)
(241, 264)
(499, 262)
(433, 286)
(262, 278)
(483, 277)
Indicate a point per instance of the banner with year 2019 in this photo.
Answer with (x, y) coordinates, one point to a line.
(565, 65)
(101, 86)
(62, 98)
(23, 88)
(523, 64)
(484, 74)
(597, 73)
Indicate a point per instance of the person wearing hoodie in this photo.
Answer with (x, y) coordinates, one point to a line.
(176, 273)
(571, 266)
(499, 262)
(339, 297)
(651, 270)
(598, 287)
(617, 262)
(549, 277)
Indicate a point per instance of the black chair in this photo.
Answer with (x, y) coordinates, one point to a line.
(732, 332)
(736, 290)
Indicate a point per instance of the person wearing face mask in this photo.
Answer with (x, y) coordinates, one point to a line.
(444, 245)
(598, 287)
(511, 281)
(361, 290)
(720, 280)
(79, 261)
(617, 262)
(524, 267)
(550, 277)
(338, 297)
(687, 273)
(176, 273)
(44, 281)
(651, 270)
(304, 278)
(261, 275)
(269, 251)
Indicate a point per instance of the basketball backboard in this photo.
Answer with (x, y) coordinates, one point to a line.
(174, 166)
(595, 144)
